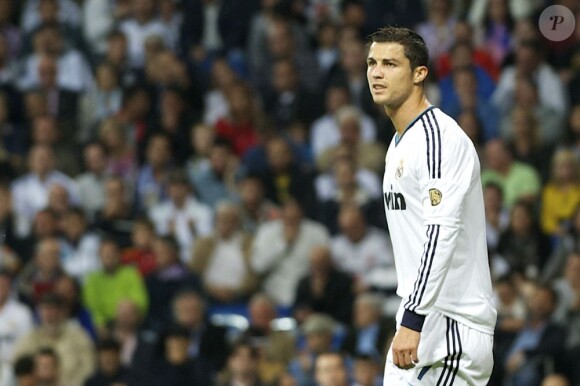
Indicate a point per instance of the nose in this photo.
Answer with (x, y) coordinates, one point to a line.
(377, 72)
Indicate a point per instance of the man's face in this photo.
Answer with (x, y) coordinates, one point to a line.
(188, 311)
(389, 74)
(330, 371)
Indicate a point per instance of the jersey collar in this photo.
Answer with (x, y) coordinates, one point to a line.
(397, 138)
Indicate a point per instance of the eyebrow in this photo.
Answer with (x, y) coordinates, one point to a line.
(370, 58)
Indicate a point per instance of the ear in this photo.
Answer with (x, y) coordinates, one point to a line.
(420, 74)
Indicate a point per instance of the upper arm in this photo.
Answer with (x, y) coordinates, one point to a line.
(446, 167)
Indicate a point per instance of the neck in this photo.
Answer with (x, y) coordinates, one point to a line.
(404, 114)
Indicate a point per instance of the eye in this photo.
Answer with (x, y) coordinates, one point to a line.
(391, 64)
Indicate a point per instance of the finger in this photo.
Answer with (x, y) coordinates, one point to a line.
(407, 359)
(395, 358)
(415, 356)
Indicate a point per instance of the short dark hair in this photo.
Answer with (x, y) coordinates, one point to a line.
(24, 366)
(415, 48)
(108, 345)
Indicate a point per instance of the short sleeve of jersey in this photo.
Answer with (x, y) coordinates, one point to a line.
(445, 171)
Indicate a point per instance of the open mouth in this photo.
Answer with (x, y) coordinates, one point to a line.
(379, 87)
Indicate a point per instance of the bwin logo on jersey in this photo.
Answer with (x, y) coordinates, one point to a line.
(395, 201)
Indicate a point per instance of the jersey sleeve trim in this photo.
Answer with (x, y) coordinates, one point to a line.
(413, 320)
(425, 269)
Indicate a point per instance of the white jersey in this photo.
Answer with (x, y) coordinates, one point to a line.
(434, 206)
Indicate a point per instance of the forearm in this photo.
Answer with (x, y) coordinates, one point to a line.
(435, 262)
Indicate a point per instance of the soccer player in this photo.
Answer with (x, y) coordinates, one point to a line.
(434, 205)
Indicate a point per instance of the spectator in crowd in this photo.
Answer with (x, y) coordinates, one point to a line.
(367, 371)
(568, 244)
(217, 181)
(285, 177)
(91, 183)
(437, 30)
(121, 160)
(242, 123)
(174, 119)
(207, 340)
(101, 101)
(126, 330)
(370, 333)
(30, 192)
(255, 209)
(109, 367)
(525, 143)
(276, 345)
(53, 66)
(69, 290)
(79, 246)
(15, 322)
(496, 217)
(351, 72)
(242, 366)
(331, 370)
(280, 251)
(104, 289)
(151, 184)
(368, 155)
(561, 195)
(318, 330)
(170, 277)
(325, 131)
(529, 62)
(116, 217)
(289, 98)
(68, 340)
(314, 291)
(182, 216)
(140, 25)
(47, 367)
(177, 368)
(40, 275)
(523, 245)
(222, 260)
(517, 180)
(511, 316)
(363, 251)
(539, 340)
(9, 240)
(550, 121)
(24, 371)
(216, 104)
(140, 252)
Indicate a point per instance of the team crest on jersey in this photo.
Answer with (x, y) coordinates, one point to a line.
(435, 196)
(399, 171)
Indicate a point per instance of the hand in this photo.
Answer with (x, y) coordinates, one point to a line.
(405, 347)
(515, 362)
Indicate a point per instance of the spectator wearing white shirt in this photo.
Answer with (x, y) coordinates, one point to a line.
(79, 247)
(364, 252)
(141, 26)
(91, 183)
(281, 249)
(182, 215)
(30, 192)
(222, 260)
(368, 155)
(73, 73)
(325, 132)
(69, 12)
(15, 322)
(530, 63)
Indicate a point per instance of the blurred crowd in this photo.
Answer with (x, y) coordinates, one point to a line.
(190, 190)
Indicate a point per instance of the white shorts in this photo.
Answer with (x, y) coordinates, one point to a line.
(450, 353)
